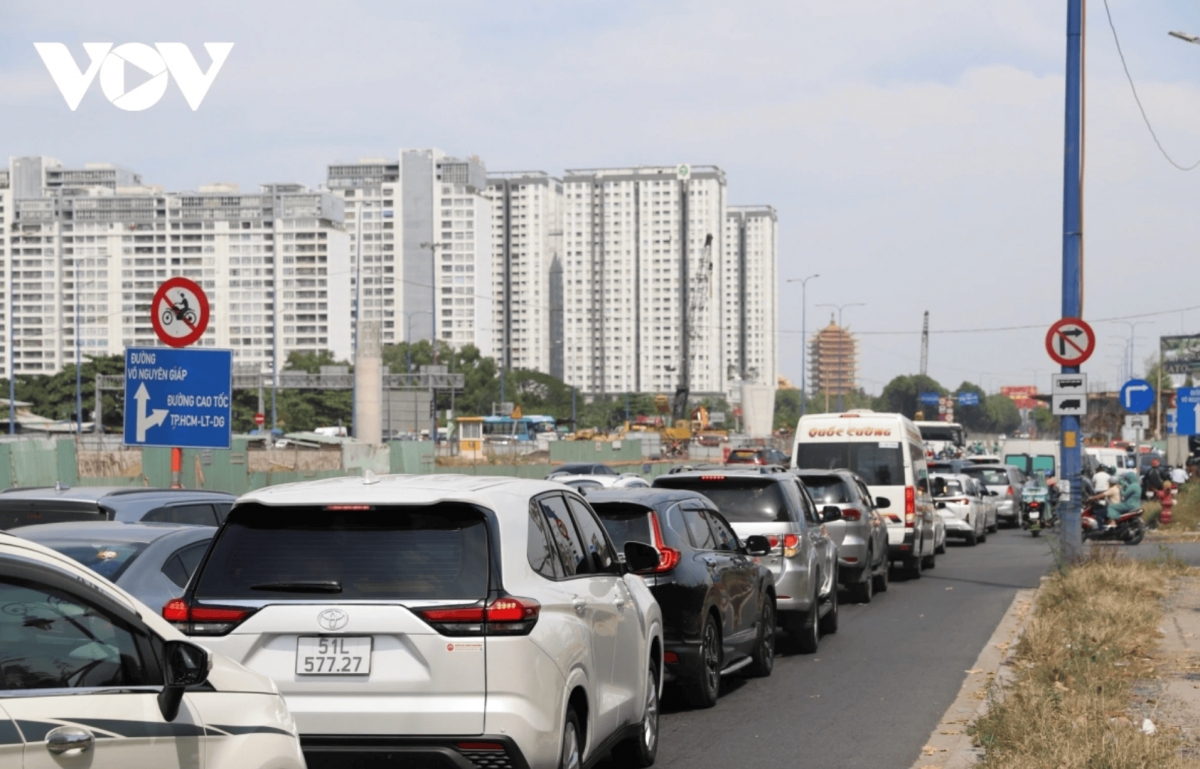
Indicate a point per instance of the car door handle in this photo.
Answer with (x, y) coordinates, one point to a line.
(65, 739)
(580, 606)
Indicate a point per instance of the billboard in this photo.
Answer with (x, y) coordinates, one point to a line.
(1180, 354)
(1023, 396)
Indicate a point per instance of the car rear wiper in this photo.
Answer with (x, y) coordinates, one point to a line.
(330, 586)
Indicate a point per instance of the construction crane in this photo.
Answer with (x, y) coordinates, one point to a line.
(696, 291)
(925, 346)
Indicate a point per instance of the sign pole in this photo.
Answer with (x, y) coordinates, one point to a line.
(1072, 272)
(176, 468)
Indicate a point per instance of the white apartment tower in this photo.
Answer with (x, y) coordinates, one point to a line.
(422, 226)
(750, 272)
(640, 244)
(99, 239)
(527, 270)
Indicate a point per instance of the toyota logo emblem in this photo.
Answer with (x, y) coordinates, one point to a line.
(333, 619)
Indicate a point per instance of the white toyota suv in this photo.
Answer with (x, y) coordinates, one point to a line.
(437, 621)
(90, 677)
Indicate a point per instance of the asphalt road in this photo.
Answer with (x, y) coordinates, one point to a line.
(874, 691)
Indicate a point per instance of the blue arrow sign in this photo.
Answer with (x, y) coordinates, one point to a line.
(1187, 410)
(929, 399)
(178, 398)
(1137, 396)
(968, 398)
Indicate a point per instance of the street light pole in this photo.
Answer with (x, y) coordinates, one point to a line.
(408, 316)
(841, 344)
(804, 339)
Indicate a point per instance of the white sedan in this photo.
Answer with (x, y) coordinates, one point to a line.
(960, 508)
(585, 483)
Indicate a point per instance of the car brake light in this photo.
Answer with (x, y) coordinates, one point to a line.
(670, 658)
(850, 514)
(489, 746)
(790, 545)
(962, 501)
(1010, 492)
(910, 506)
(506, 615)
(668, 557)
(772, 540)
(712, 477)
(203, 620)
(349, 507)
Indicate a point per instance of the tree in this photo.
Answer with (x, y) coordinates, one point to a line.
(1003, 416)
(53, 395)
(902, 393)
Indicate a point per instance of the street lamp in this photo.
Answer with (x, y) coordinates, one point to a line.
(408, 334)
(839, 308)
(433, 250)
(1132, 331)
(1186, 37)
(804, 337)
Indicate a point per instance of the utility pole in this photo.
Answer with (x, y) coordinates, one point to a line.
(1072, 267)
(804, 337)
(925, 346)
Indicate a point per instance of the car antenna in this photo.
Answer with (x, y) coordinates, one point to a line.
(369, 478)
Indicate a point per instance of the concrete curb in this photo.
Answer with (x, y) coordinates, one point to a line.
(949, 746)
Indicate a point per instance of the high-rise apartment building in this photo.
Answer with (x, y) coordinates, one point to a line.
(422, 226)
(749, 311)
(99, 240)
(527, 269)
(641, 244)
(833, 360)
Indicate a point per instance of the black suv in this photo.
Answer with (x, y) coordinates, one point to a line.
(718, 604)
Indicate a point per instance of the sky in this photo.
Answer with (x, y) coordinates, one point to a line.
(912, 149)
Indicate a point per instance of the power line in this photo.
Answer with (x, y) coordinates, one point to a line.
(1137, 99)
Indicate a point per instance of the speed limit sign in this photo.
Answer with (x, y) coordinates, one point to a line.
(179, 312)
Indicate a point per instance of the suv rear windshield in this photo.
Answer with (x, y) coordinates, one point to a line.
(394, 553)
(109, 561)
(879, 464)
(988, 476)
(826, 489)
(27, 512)
(740, 500)
(946, 487)
(745, 455)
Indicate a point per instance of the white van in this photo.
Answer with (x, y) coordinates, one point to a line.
(1118, 458)
(887, 451)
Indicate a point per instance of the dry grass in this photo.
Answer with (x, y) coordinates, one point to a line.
(1088, 641)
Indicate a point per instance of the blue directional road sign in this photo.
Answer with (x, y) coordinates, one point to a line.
(1187, 411)
(1137, 396)
(968, 398)
(929, 399)
(178, 398)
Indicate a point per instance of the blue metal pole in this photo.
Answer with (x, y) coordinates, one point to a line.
(1072, 273)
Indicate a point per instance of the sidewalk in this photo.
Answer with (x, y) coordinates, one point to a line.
(1171, 697)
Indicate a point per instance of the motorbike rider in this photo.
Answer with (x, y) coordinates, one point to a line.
(1106, 497)
(1154, 478)
(1131, 497)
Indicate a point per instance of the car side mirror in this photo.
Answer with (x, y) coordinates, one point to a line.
(757, 544)
(640, 557)
(883, 503)
(184, 664)
(831, 513)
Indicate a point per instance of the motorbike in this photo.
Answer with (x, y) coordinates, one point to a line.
(1037, 509)
(1130, 528)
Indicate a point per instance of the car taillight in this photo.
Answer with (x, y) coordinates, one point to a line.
(712, 477)
(790, 545)
(1035, 505)
(850, 514)
(961, 501)
(668, 557)
(1010, 492)
(203, 620)
(507, 615)
(910, 506)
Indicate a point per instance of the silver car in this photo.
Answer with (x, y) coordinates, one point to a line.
(861, 534)
(1004, 482)
(956, 498)
(153, 561)
(772, 502)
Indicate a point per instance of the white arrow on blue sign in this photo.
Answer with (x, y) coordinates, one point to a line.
(1187, 410)
(968, 398)
(178, 398)
(1137, 396)
(929, 399)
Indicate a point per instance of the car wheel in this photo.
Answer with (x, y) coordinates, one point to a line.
(929, 561)
(764, 650)
(983, 536)
(971, 539)
(641, 750)
(705, 688)
(572, 746)
(864, 590)
(939, 549)
(882, 578)
(995, 527)
(914, 567)
(829, 623)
